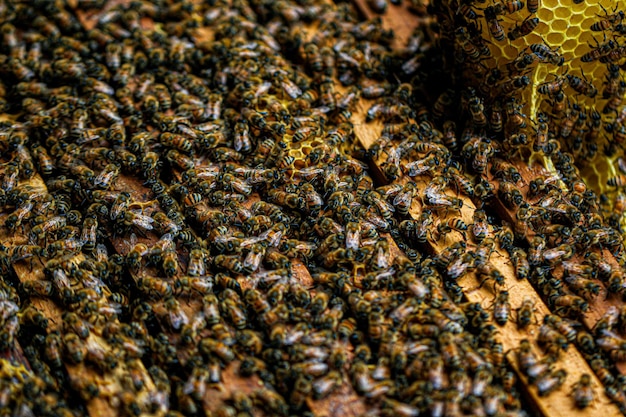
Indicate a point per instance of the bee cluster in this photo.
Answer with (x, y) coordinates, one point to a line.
(558, 234)
(171, 165)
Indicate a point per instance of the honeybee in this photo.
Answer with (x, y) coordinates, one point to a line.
(241, 139)
(175, 141)
(581, 85)
(527, 26)
(271, 401)
(153, 287)
(289, 200)
(170, 263)
(608, 21)
(52, 350)
(16, 218)
(557, 254)
(107, 176)
(254, 257)
(569, 304)
(196, 265)
(89, 233)
(617, 396)
(235, 313)
(550, 382)
(546, 54)
(74, 348)
(502, 308)
(583, 392)
(176, 317)
(178, 159)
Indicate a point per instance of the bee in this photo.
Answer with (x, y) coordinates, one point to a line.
(508, 7)
(533, 6)
(495, 28)
(112, 56)
(256, 301)
(514, 83)
(175, 158)
(525, 312)
(235, 313)
(520, 263)
(196, 267)
(456, 223)
(74, 348)
(16, 218)
(170, 263)
(175, 141)
(545, 54)
(477, 112)
(550, 382)
(254, 257)
(599, 52)
(325, 385)
(491, 274)
(176, 317)
(241, 139)
(156, 288)
(557, 254)
(85, 175)
(552, 87)
(313, 57)
(46, 164)
(569, 303)
(511, 195)
(141, 221)
(293, 248)
(526, 359)
(464, 41)
(617, 396)
(210, 309)
(271, 401)
(599, 365)
(584, 287)
(581, 85)
(283, 198)
(32, 316)
(563, 326)
(617, 181)
(502, 308)
(107, 176)
(89, 233)
(583, 392)
(608, 21)
(52, 350)
(528, 25)
(612, 82)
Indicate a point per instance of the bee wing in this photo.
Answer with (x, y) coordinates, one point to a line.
(102, 252)
(242, 187)
(141, 220)
(404, 198)
(352, 239)
(253, 260)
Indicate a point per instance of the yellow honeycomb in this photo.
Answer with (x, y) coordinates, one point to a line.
(566, 26)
